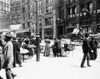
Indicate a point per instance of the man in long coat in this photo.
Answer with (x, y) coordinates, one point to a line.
(86, 49)
(8, 55)
(16, 52)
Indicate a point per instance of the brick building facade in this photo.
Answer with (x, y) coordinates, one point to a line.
(83, 14)
(4, 14)
(15, 12)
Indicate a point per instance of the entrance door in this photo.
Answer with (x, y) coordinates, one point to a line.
(60, 31)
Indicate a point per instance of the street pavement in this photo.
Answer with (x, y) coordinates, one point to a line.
(58, 67)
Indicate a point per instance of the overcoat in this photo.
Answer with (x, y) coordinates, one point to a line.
(16, 50)
(8, 55)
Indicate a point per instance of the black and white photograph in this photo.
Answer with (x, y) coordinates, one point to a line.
(49, 39)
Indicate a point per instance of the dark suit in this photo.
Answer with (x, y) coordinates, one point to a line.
(16, 51)
(93, 45)
(86, 49)
(58, 48)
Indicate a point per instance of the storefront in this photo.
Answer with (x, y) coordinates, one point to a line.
(48, 33)
(86, 28)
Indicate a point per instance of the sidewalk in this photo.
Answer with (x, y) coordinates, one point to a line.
(57, 68)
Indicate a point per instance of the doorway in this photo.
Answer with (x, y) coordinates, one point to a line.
(60, 31)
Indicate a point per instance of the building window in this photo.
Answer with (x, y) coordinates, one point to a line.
(31, 7)
(49, 9)
(23, 1)
(19, 17)
(28, 7)
(73, 10)
(61, 2)
(40, 3)
(23, 9)
(98, 4)
(30, 15)
(49, 1)
(18, 8)
(39, 12)
(61, 15)
(71, 1)
(28, 24)
(24, 16)
(49, 21)
(18, 11)
(23, 25)
(68, 11)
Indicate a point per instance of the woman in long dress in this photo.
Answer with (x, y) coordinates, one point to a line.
(47, 48)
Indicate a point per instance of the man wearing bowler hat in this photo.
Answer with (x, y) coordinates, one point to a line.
(8, 53)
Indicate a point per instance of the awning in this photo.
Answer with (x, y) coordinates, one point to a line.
(15, 27)
(21, 31)
(5, 30)
(70, 27)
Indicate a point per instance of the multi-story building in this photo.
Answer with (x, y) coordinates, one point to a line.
(28, 9)
(61, 17)
(47, 17)
(46, 12)
(83, 14)
(15, 13)
(4, 14)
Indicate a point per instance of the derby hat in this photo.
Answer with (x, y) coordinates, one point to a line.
(8, 35)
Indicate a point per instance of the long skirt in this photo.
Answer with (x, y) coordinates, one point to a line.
(47, 50)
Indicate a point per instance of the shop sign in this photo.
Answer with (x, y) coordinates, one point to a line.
(94, 11)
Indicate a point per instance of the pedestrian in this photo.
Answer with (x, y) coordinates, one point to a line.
(54, 48)
(59, 47)
(47, 48)
(93, 45)
(86, 48)
(8, 55)
(16, 52)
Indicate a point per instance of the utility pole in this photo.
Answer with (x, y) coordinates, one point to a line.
(54, 24)
(37, 34)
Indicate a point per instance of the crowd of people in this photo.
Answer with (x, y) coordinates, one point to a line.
(10, 50)
(10, 54)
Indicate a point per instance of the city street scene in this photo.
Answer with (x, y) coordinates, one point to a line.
(49, 39)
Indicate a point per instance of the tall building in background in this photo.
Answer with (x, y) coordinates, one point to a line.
(83, 14)
(28, 15)
(4, 14)
(47, 17)
(15, 13)
(46, 10)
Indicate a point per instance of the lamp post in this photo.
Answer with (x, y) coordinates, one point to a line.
(54, 23)
(37, 34)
